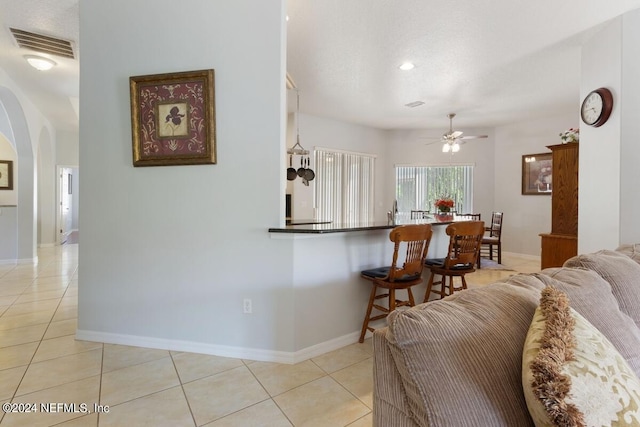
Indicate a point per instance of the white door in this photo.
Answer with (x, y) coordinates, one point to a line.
(66, 203)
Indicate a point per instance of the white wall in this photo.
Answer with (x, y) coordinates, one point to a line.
(47, 182)
(328, 133)
(409, 148)
(525, 217)
(599, 173)
(22, 124)
(8, 152)
(169, 253)
(630, 129)
(67, 148)
(609, 203)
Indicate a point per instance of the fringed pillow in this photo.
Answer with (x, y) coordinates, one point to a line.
(572, 375)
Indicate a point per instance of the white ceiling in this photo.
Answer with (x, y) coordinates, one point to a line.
(491, 62)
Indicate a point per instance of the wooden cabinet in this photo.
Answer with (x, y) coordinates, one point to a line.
(562, 243)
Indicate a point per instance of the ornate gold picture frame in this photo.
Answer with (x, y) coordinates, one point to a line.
(173, 118)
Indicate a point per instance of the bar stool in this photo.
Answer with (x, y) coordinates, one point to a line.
(402, 274)
(465, 238)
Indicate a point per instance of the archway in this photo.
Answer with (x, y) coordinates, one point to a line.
(47, 179)
(17, 133)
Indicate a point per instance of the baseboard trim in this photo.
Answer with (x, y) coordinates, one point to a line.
(19, 261)
(220, 350)
(527, 256)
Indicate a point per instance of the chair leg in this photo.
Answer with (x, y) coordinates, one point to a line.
(365, 324)
(464, 282)
(499, 245)
(392, 300)
(491, 252)
(451, 286)
(412, 302)
(429, 286)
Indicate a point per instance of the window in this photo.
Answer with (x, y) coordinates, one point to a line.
(344, 186)
(418, 187)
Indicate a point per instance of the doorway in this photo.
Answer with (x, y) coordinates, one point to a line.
(68, 204)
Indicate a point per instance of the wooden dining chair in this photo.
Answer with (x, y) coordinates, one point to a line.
(403, 273)
(419, 214)
(462, 255)
(492, 240)
(468, 217)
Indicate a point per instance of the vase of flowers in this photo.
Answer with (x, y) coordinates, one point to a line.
(444, 204)
(571, 135)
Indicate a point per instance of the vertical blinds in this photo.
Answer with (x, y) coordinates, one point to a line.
(344, 189)
(418, 187)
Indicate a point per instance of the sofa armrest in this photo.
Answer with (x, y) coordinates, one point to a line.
(390, 406)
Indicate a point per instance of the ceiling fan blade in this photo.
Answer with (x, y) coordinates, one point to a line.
(454, 135)
(474, 137)
(434, 141)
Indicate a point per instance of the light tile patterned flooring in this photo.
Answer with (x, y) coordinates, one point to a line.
(42, 363)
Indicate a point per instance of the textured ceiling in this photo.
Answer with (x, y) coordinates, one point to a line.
(54, 92)
(491, 62)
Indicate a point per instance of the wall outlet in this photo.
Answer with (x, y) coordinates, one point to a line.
(246, 306)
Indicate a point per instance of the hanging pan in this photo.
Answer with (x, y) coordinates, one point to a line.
(301, 169)
(309, 174)
(291, 172)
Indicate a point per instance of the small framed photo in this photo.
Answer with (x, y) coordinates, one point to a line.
(537, 174)
(173, 118)
(6, 175)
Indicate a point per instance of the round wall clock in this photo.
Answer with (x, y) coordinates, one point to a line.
(596, 107)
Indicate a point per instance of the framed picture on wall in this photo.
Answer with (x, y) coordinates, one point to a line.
(6, 175)
(173, 118)
(537, 174)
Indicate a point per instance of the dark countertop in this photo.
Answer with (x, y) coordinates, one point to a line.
(324, 228)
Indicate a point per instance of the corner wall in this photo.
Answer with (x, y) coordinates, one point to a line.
(525, 217)
(609, 204)
(169, 253)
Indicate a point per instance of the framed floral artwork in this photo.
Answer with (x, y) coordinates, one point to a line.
(537, 174)
(6, 175)
(173, 118)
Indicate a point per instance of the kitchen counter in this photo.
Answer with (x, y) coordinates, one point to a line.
(330, 227)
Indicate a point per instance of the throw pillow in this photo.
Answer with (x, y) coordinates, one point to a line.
(572, 375)
(591, 296)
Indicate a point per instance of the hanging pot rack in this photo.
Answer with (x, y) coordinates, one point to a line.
(300, 151)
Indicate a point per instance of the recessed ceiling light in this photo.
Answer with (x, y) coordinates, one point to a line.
(407, 66)
(39, 62)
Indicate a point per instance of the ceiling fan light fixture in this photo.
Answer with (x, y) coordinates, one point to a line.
(446, 147)
(455, 147)
(406, 66)
(40, 62)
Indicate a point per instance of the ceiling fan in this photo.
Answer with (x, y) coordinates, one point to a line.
(453, 139)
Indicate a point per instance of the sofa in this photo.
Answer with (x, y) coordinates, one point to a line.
(459, 361)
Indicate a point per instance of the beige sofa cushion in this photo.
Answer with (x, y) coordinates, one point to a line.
(460, 358)
(591, 296)
(632, 251)
(571, 374)
(621, 272)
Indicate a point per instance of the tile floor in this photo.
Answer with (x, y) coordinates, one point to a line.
(42, 363)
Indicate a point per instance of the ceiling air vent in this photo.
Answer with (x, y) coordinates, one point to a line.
(414, 104)
(43, 44)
